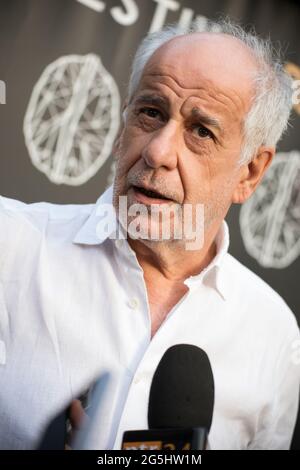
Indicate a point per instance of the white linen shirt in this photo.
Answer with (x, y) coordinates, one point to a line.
(74, 306)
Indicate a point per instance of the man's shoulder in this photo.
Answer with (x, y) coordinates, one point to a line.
(257, 297)
(41, 209)
(24, 225)
(39, 216)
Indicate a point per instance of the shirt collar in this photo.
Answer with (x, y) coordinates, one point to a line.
(93, 232)
(213, 275)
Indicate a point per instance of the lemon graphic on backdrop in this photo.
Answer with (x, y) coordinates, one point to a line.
(270, 219)
(72, 119)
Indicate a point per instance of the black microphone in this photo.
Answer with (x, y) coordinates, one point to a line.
(56, 435)
(181, 403)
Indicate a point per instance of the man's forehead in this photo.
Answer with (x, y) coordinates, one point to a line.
(165, 89)
(201, 59)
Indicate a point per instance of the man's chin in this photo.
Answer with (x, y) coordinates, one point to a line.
(146, 229)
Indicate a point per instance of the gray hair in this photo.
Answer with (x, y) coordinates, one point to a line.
(271, 104)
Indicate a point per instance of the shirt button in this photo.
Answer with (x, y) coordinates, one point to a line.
(134, 303)
(137, 379)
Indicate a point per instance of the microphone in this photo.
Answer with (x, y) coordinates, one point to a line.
(54, 437)
(180, 403)
(90, 435)
(95, 401)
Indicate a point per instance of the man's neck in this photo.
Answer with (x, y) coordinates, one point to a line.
(165, 270)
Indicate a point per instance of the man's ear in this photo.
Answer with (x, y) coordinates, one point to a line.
(252, 173)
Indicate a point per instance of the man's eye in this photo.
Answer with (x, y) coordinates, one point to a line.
(203, 132)
(150, 112)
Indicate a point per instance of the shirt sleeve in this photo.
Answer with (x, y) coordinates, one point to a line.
(277, 431)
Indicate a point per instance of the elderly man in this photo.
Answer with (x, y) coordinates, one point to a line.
(200, 124)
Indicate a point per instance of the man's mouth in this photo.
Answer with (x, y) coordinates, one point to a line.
(150, 194)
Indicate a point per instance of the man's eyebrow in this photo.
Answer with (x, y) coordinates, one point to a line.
(206, 119)
(197, 113)
(154, 100)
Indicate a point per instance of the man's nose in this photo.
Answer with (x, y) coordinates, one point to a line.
(163, 147)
